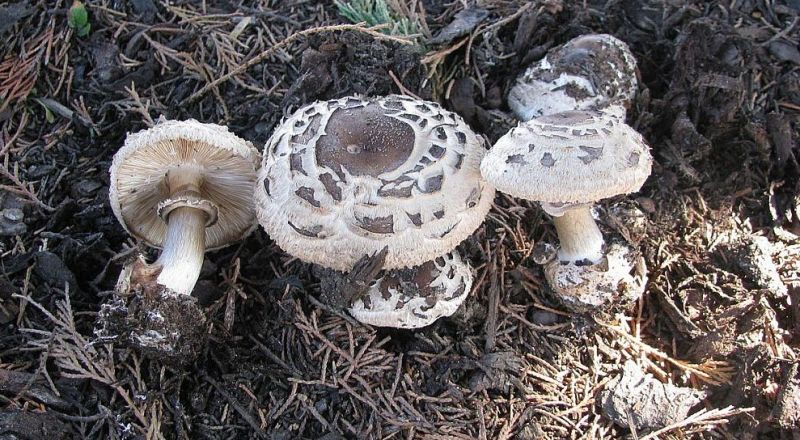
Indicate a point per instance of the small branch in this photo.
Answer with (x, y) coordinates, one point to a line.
(712, 372)
(403, 89)
(703, 417)
(246, 415)
(20, 188)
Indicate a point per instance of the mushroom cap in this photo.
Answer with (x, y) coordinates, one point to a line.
(227, 166)
(620, 276)
(587, 72)
(348, 177)
(569, 158)
(414, 298)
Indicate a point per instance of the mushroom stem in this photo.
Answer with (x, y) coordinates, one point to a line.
(184, 245)
(579, 235)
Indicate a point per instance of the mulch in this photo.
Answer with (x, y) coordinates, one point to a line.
(717, 223)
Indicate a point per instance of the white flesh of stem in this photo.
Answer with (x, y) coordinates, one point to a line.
(579, 236)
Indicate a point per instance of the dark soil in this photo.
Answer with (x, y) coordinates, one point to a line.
(718, 224)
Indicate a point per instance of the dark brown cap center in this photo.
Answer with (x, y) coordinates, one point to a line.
(364, 141)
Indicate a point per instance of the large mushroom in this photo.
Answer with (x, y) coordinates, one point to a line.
(568, 161)
(351, 177)
(185, 187)
(588, 72)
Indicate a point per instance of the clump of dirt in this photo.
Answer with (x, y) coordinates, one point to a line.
(162, 325)
(639, 401)
(752, 259)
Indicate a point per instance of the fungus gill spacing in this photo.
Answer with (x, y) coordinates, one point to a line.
(142, 180)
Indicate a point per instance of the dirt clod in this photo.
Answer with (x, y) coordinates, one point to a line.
(171, 329)
(752, 258)
(30, 425)
(163, 325)
(787, 406)
(639, 401)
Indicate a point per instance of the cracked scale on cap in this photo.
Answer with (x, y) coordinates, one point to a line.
(227, 165)
(585, 73)
(569, 158)
(345, 178)
(414, 298)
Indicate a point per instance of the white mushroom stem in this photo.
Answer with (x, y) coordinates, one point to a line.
(184, 245)
(579, 236)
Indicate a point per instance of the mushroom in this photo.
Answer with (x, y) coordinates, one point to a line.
(185, 187)
(398, 177)
(345, 178)
(413, 298)
(567, 161)
(587, 72)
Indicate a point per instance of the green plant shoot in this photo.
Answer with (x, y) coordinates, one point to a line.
(78, 19)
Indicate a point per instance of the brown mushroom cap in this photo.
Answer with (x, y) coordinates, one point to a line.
(226, 166)
(413, 298)
(569, 158)
(348, 177)
(587, 72)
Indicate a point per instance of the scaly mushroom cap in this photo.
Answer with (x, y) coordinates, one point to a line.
(413, 298)
(585, 73)
(619, 277)
(226, 165)
(347, 177)
(569, 158)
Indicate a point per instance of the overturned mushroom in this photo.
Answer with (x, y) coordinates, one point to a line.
(184, 187)
(413, 298)
(348, 177)
(587, 72)
(567, 161)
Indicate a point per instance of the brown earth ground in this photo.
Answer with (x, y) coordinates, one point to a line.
(717, 223)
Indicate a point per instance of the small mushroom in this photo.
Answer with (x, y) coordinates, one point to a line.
(184, 187)
(345, 178)
(413, 298)
(587, 72)
(567, 161)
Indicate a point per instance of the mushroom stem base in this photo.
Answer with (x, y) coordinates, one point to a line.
(579, 236)
(619, 278)
(182, 256)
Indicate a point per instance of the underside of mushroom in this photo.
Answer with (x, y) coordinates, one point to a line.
(184, 187)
